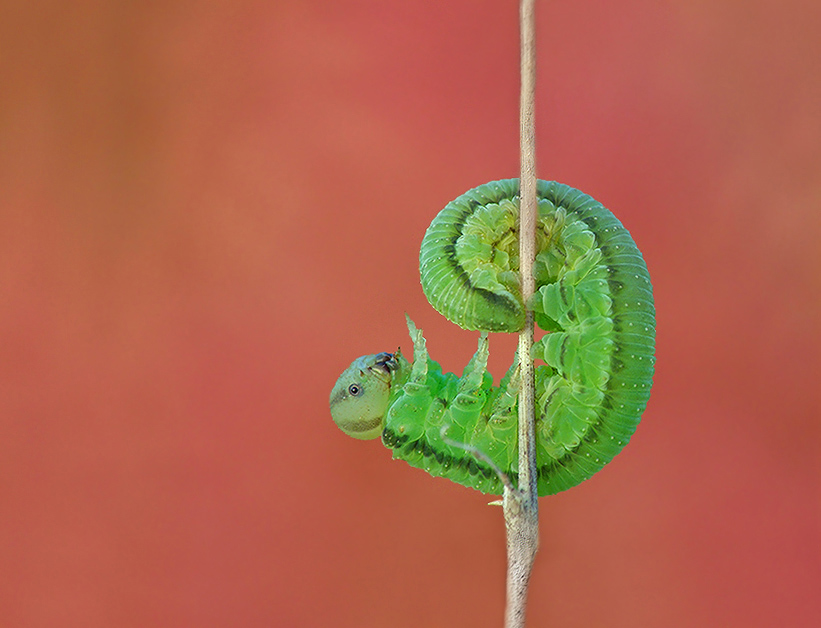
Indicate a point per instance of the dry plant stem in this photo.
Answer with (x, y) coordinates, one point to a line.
(521, 506)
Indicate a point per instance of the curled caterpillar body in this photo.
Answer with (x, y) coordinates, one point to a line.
(594, 298)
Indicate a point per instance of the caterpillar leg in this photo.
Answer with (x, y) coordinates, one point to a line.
(474, 373)
(419, 371)
(470, 395)
(504, 407)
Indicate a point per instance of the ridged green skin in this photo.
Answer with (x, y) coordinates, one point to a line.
(428, 407)
(595, 300)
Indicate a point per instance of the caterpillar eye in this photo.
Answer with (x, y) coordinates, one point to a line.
(355, 390)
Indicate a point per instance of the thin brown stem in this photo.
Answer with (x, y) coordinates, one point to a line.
(521, 506)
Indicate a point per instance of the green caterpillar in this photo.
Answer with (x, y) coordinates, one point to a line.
(595, 302)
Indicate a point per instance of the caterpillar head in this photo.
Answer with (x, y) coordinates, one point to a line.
(359, 399)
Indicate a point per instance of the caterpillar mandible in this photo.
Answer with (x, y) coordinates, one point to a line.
(595, 301)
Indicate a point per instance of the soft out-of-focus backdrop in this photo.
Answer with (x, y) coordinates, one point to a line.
(208, 209)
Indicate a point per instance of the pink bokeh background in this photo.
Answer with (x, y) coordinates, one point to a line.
(208, 209)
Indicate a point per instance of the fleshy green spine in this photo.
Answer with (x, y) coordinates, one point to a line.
(595, 302)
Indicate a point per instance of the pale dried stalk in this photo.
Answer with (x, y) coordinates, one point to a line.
(521, 506)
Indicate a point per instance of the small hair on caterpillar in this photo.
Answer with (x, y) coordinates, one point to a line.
(594, 301)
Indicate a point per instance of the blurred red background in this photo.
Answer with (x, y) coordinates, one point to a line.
(210, 208)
